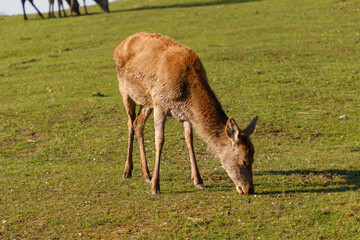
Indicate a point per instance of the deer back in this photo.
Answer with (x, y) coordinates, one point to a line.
(158, 68)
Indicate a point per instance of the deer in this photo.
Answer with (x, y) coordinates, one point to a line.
(51, 8)
(169, 79)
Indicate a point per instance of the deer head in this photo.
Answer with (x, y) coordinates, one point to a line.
(238, 156)
(104, 5)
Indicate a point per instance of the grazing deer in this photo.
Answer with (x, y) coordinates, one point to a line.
(104, 5)
(31, 1)
(51, 8)
(161, 75)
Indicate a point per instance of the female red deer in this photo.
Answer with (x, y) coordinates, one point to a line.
(161, 75)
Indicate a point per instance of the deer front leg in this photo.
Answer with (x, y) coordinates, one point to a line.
(49, 16)
(62, 5)
(139, 125)
(23, 5)
(195, 174)
(159, 124)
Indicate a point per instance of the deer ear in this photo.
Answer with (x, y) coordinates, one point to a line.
(251, 127)
(232, 130)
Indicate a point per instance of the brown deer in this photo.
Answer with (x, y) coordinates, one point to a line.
(51, 8)
(31, 1)
(161, 75)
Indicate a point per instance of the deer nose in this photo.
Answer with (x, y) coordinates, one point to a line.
(251, 191)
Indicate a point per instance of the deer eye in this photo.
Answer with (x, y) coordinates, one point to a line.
(247, 157)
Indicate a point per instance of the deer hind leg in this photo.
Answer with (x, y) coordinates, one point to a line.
(139, 125)
(71, 7)
(195, 174)
(59, 5)
(130, 110)
(159, 124)
(37, 9)
(86, 12)
(62, 5)
(49, 9)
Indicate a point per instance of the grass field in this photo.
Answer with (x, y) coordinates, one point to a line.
(63, 132)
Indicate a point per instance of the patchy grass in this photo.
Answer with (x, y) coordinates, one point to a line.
(63, 133)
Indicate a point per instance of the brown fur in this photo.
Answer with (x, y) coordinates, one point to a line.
(158, 73)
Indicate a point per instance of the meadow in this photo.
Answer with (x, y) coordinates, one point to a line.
(63, 127)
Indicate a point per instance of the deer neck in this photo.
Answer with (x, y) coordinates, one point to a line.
(210, 121)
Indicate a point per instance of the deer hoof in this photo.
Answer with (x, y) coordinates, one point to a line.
(155, 192)
(200, 186)
(127, 175)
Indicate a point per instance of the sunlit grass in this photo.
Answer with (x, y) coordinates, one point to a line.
(63, 131)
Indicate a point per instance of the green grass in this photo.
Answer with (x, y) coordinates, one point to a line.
(63, 132)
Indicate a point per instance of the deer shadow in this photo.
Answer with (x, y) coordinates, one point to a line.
(186, 5)
(350, 180)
